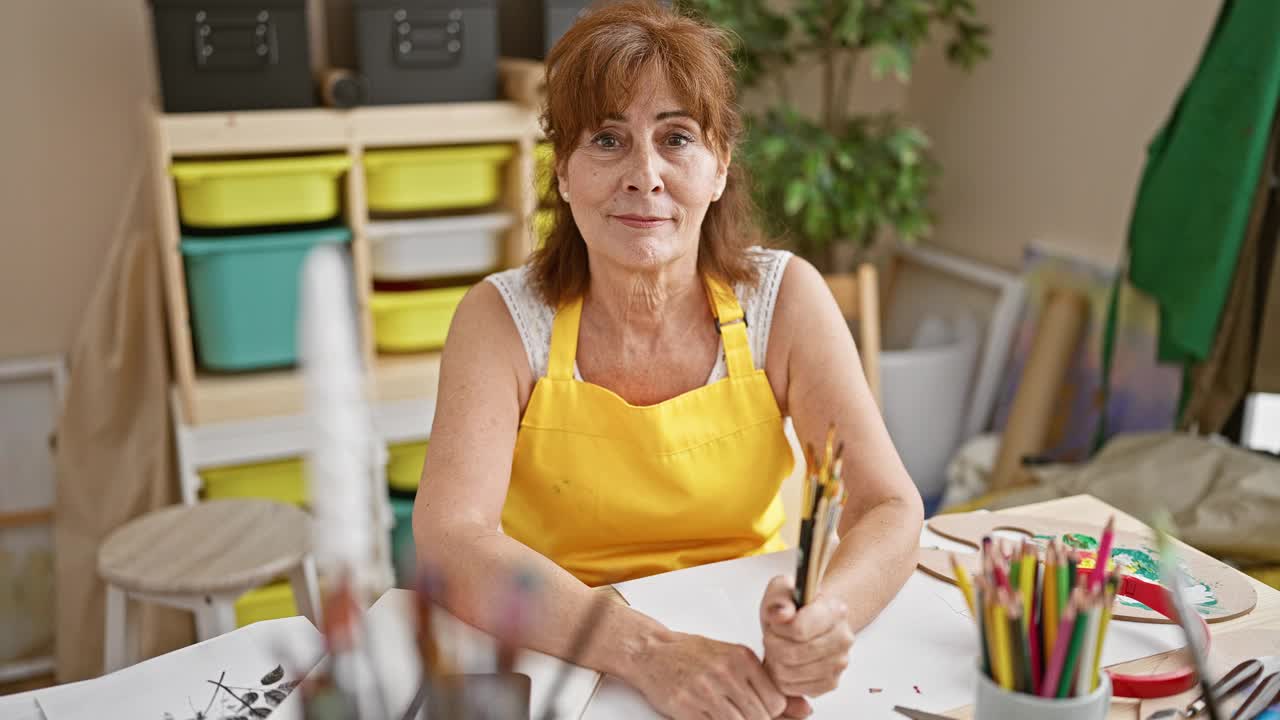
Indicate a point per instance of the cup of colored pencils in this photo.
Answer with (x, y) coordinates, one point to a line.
(1042, 621)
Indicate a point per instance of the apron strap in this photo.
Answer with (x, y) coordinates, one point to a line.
(564, 340)
(731, 323)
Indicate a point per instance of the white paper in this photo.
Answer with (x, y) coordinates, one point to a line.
(920, 652)
(177, 685)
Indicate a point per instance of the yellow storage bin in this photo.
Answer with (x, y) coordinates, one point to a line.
(434, 178)
(272, 191)
(404, 466)
(544, 170)
(414, 321)
(269, 602)
(283, 480)
(543, 220)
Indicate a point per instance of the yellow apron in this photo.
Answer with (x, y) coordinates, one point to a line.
(612, 491)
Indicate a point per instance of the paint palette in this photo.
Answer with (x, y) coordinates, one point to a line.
(1215, 590)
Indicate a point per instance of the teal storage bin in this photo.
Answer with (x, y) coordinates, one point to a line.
(243, 291)
(403, 556)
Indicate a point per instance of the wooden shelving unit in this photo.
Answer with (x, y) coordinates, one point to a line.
(204, 398)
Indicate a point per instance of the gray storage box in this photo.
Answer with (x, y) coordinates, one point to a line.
(417, 51)
(233, 54)
(530, 28)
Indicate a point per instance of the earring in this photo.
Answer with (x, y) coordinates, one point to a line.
(565, 194)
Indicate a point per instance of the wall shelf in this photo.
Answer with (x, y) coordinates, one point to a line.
(208, 398)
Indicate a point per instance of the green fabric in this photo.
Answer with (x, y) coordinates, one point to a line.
(1202, 169)
(1197, 189)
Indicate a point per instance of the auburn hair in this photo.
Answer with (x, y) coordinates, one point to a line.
(591, 74)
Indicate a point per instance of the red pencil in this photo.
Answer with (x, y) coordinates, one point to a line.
(1033, 628)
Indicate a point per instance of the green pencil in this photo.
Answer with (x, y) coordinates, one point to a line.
(1064, 577)
(1067, 680)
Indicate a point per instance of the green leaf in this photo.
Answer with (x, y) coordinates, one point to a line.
(796, 193)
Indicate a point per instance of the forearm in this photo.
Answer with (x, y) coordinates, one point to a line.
(875, 558)
(479, 564)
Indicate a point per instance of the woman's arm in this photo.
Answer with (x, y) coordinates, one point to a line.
(814, 368)
(880, 527)
(483, 377)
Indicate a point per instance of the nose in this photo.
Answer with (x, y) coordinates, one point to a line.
(643, 175)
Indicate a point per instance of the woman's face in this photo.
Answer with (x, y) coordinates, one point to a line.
(640, 184)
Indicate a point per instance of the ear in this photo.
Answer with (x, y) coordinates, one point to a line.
(562, 182)
(722, 176)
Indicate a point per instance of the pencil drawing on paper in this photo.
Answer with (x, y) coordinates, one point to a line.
(229, 702)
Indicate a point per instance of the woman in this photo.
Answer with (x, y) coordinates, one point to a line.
(608, 411)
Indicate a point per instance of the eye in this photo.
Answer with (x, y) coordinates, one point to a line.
(606, 140)
(679, 140)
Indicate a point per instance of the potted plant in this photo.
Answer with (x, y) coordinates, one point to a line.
(829, 180)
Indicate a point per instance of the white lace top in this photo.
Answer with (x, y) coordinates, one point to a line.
(533, 317)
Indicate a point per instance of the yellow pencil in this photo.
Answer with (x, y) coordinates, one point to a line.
(966, 585)
(1108, 598)
(1003, 660)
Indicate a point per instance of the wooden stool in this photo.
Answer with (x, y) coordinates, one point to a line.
(202, 558)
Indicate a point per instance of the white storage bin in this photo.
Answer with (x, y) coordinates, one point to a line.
(437, 247)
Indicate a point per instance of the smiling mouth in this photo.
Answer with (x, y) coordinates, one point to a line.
(640, 221)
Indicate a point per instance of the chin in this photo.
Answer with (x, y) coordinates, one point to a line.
(644, 252)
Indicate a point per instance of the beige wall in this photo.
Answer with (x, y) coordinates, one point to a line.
(76, 76)
(1046, 139)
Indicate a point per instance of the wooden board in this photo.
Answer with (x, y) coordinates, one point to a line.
(1225, 593)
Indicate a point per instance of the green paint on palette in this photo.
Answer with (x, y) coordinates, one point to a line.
(1142, 564)
(1080, 541)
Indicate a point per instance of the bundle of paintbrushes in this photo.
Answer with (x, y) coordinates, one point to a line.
(1042, 618)
(822, 504)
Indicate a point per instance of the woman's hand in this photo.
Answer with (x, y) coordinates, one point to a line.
(806, 651)
(689, 676)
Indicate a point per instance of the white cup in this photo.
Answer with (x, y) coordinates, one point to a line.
(996, 703)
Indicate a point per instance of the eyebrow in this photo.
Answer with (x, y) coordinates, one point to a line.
(660, 116)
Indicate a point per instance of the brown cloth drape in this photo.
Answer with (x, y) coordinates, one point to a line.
(115, 458)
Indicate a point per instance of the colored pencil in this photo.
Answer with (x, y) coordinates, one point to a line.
(1108, 599)
(984, 627)
(966, 585)
(1071, 665)
(1030, 562)
(1034, 642)
(1003, 660)
(1104, 555)
(1052, 610)
(1053, 672)
(1089, 648)
(1020, 653)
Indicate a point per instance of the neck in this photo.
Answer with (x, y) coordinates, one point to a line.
(630, 301)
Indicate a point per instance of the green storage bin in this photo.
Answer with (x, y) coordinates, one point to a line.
(244, 296)
(269, 602)
(404, 466)
(271, 191)
(437, 178)
(403, 555)
(282, 480)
